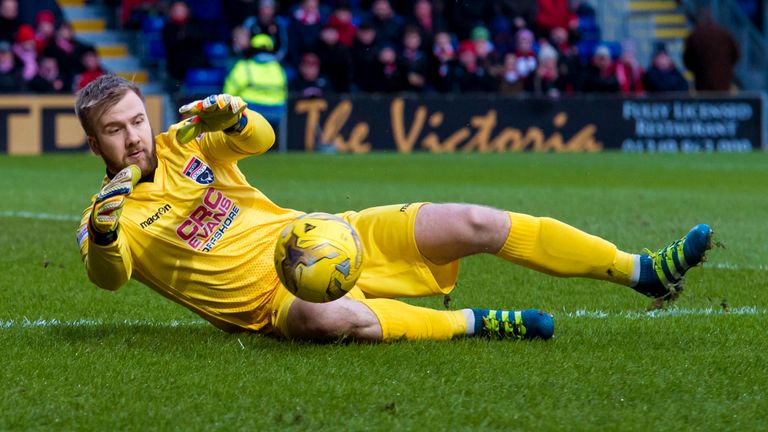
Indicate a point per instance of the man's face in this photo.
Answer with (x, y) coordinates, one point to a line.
(123, 136)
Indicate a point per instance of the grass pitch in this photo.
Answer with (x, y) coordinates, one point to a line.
(79, 358)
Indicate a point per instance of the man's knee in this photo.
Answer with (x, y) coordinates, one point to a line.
(324, 321)
(483, 226)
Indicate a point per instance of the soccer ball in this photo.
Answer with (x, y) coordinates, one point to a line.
(318, 257)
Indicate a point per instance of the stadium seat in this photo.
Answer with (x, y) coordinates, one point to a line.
(204, 80)
(217, 54)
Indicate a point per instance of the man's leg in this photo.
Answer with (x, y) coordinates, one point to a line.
(374, 320)
(447, 232)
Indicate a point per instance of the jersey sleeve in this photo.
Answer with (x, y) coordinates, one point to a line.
(108, 266)
(256, 138)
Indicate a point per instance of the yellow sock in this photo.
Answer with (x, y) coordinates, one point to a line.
(401, 320)
(552, 247)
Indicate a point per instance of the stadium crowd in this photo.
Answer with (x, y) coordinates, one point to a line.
(539, 47)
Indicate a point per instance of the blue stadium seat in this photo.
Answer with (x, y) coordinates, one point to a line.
(152, 40)
(204, 80)
(217, 54)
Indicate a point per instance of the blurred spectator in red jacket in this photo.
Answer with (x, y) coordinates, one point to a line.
(91, 68)
(554, 13)
(711, 54)
(341, 20)
(25, 49)
(471, 76)
(628, 71)
(9, 19)
(45, 29)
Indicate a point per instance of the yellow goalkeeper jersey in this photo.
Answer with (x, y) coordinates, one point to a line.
(198, 233)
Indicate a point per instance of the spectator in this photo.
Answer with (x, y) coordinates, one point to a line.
(390, 77)
(305, 26)
(184, 41)
(388, 25)
(599, 76)
(547, 80)
(335, 60)
(67, 51)
(11, 70)
(486, 52)
(554, 13)
(569, 62)
(470, 75)
(663, 75)
(341, 20)
(25, 49)
(414, 61)
(267, 22)
(241, 42)
(710, 53)
(424, 18)
(443, 62)
(45, 29)
(28, 10)
(628, 71)
(510, 81)
(469, 14)
(526, 57)
(365, 58)
(91, 68)
(9, 19)
(260, 80)
(309, 82)
(134, 12)
(48, 78)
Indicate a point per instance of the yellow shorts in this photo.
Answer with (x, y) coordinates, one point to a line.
(393, 265)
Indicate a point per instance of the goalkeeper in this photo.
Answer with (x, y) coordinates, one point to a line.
(176, 214)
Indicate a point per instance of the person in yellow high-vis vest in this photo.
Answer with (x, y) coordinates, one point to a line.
(260, 81)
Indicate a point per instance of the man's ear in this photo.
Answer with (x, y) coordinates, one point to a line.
(93, 143)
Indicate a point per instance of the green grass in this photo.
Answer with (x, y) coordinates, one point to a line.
(114, 361)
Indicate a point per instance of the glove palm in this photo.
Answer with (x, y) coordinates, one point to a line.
(214, 113)
(109, 202)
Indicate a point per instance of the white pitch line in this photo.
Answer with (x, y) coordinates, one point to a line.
(581, 313)
(38, 216)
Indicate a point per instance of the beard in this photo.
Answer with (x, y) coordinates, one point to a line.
(147, 161)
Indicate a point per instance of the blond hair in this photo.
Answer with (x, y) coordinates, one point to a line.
(100, 94)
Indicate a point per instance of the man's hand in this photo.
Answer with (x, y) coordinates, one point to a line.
(109, 202)
(214, 113)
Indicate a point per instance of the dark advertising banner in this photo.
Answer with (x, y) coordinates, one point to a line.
(492, 124)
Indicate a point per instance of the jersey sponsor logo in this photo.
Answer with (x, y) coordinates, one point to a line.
(198, 171)
(158, 214)
(209, 221)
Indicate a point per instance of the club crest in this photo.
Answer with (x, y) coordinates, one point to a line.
(199, 171)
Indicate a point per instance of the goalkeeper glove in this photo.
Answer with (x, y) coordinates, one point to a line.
(109, 202)
(214, 113)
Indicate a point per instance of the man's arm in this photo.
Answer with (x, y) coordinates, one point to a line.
(103, 247)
